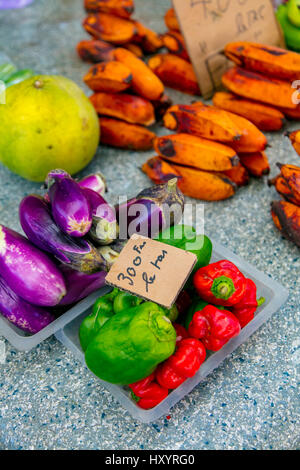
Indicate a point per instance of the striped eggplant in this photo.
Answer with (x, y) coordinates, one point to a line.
(96, 182)
(80, 285)
(25, 316)
(152, 210)
(70, 208)
(104, 226)
(40, 228)
(28, 271)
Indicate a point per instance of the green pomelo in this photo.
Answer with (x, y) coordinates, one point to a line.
(46, 123)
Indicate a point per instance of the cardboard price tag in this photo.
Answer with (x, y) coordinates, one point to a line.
(151, 270)
(208, 25)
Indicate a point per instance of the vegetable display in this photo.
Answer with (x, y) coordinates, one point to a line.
(153, 350)
(72, 242)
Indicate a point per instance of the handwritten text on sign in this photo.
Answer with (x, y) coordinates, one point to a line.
(208, 25)
(152, 270)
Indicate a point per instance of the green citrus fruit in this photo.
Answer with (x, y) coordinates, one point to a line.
(46, 123)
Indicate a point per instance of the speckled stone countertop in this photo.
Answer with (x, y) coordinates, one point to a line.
(48, 401)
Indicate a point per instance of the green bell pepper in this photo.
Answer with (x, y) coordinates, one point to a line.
(185, 238)
(129, 346)
(104, 308)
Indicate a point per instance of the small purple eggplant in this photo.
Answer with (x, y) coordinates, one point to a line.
(96, 182)
(80, 285)
(152, 210)
(40, 228)
(70, 208)
(25, 316)
(28, 271)
(104, 227)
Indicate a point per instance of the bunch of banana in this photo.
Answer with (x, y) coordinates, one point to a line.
(288, 16)
(260, 84)
(128, 96)
(286, 213)
(212, 153)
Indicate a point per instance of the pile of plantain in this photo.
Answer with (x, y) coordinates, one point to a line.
(128, 96)
(286, 213)
(212, 153)
(260, 84)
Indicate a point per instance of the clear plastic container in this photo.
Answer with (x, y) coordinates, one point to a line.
(275, 296)
(24, 342)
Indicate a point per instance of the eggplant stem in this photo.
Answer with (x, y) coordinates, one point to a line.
(172, 185)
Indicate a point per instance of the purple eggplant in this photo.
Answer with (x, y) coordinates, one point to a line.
(28, 271)
(70, 208)
(40, 228)
(104, 226)
(96, 182)
(111, 253)
(25, 316)
(152, 210)
(80, 285)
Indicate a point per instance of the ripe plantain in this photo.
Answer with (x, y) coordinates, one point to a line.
(259, 87)
(110, 77)
(203, 121)
(175, 72)
(144, 82)
(129, 108)
(295, 139)
(286, 217)
(190, 150)
(121, 134)
(266, 118)
(267, 60)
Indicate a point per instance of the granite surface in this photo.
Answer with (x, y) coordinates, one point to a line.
(48, 401)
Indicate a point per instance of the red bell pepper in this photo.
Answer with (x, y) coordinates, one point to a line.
(147, 393)
(245, 310)
(220, 283)
(181, 332)
(184, 363)
(214, 327)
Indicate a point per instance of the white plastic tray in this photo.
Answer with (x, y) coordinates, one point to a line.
(24, 342)
(275, 296)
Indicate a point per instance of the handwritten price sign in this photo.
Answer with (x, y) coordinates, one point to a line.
(152, 270)
(208, 25)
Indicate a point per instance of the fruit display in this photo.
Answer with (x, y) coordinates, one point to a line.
(288, 15)
(128, 95)
(44, 121)
(73, 239)
(153, 350)
(213, 152)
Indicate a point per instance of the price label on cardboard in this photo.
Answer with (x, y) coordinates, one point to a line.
(151, 270)
(208, 25)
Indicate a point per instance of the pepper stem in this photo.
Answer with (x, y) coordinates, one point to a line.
(223, 287)
(260, 301)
